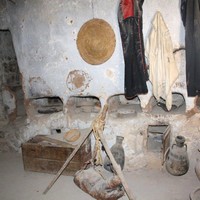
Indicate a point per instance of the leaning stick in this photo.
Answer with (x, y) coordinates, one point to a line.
(116, 167)
(98, 127)
(102, 114)
(67, 161)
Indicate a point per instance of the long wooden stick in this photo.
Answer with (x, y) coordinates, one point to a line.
(116, 167)
(103, 115)
(68, 160)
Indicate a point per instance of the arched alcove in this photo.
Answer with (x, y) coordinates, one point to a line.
(83, 107)
(178, 105)
(120, 107)
(46, 105)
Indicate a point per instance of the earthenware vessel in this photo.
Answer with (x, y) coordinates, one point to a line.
(177, 162)
(118, 153)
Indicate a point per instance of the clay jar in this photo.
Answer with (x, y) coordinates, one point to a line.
(118, 153)
(177, 162)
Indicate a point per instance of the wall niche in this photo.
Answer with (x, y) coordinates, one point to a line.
(86, 107)
(120, 107)
(46, 105)
(178, 105)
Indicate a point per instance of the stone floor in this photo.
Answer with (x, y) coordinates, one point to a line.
(149, 183)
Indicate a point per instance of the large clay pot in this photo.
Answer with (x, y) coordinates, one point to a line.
(118, 153)
(177, 162)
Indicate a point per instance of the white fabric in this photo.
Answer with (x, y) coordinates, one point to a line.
(162, 66)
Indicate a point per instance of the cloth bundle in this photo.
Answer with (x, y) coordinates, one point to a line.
(99, 183)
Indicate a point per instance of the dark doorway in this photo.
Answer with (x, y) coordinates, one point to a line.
(11, 93)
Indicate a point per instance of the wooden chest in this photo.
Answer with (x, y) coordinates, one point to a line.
(47, 155)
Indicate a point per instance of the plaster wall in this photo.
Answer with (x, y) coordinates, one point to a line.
(44, 35)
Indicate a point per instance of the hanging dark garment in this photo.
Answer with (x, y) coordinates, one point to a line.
(130, 24)
(190, 13)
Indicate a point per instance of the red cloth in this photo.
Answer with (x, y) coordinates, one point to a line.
(127, 8)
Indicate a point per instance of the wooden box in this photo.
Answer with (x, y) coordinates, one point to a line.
(47, 155)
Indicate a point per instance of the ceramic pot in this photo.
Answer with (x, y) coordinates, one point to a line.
(177, 162)
(118, 153)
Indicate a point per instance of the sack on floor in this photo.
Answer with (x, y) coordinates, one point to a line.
(99, 183)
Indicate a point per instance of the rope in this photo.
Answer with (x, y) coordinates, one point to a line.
(98, 127)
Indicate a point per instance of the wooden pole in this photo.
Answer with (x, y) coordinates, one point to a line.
(67, 161)
(116, 167)
(102, 115)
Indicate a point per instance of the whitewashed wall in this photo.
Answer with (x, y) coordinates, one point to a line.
(44, 35)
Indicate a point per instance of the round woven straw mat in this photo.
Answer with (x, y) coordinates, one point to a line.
(72, 135)
(96, 41)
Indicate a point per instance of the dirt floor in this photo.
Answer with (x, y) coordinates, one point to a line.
(146, 183)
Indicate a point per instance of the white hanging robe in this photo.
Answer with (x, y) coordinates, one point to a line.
(163, 71)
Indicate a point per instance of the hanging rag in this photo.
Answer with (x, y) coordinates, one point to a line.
(130, 24)
(163, 71)
(190, 13)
